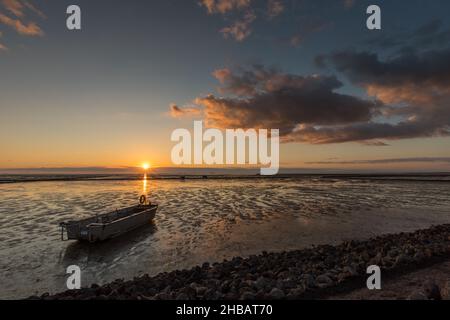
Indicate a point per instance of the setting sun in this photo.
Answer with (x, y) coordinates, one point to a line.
(146, 166)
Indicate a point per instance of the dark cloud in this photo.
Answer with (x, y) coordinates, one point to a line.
(430, 35)
(366, 132)
(267, 98)
(414, 86)
(431, 68)
(420, 82)
(410, 98)
(382, 161)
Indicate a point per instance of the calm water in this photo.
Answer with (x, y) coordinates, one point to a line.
(198, 221)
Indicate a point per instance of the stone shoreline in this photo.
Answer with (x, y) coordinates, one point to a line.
(311, 273)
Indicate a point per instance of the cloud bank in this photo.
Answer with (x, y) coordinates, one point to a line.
(388, 161)
(409, 97)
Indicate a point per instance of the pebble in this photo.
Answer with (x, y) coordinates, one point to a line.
(324, 281)
(277, 294)
(248, 296)
(432, 290)
(418, 295)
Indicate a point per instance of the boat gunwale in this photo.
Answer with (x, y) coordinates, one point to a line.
(86, 220)
(98, 224)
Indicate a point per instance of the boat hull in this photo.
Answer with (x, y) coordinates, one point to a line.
(100, 229)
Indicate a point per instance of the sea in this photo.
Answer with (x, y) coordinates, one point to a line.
(199, 219)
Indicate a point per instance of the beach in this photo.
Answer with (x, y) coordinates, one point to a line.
(199, 221)
(313, 273)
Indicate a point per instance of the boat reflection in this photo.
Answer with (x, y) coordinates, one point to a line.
(108, 250)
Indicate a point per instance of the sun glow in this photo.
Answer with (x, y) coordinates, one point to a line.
(146, 166)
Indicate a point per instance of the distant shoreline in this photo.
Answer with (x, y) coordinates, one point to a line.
(27, 178)
(314, 273)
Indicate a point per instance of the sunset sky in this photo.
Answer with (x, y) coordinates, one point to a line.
(111, 94)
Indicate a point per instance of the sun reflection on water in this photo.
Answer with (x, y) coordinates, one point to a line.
(144, 184)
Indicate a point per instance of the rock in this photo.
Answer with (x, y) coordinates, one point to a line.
(365, 255)
(295, 293)
(190, 292)
(445, 290)
(329, 260)
(378, 258)
(309, 280)
(350, 271)
(225, 287)
(287, 283)
(387, 262)
(402, 260)
(419, 256)
(418, 295)
(201, 290)
(432, 290)
(357, 267)
(166, 289)
(212, 294)
(248, 296)
(261, 283)
(159, 296)
(182, 296)
(277, 294)
(193, 285)
(392, 253)
(324, 281)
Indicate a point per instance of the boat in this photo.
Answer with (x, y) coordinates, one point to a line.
(109, 225)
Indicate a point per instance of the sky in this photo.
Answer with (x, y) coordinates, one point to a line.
(111, 94)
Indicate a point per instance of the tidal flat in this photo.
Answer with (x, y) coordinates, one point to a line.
(198, 221)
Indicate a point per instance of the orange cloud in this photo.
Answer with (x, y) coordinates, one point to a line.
(224, 6)
(18, 10)
(410, 93)
(30, 29)
(15, 7)
(177, 112)
(240, 29)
